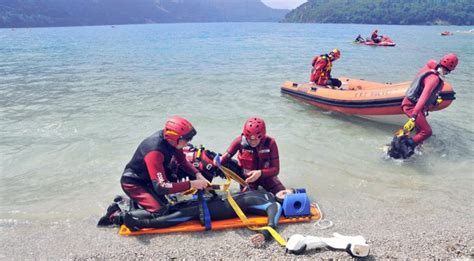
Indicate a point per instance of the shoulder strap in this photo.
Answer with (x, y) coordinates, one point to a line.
(267, 141)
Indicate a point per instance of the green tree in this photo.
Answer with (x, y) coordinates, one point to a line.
(456, 12)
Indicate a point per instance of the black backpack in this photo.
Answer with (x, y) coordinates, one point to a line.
(402, 146)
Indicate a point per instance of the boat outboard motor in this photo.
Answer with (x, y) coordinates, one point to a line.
(356, 246)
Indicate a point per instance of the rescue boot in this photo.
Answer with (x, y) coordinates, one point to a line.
(111, 216)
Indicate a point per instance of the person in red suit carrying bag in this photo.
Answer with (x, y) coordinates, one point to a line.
(423, 93)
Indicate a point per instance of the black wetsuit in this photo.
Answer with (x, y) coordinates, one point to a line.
(359, 39)
(252, 202)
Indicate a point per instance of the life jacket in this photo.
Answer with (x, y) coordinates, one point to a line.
(255, 158)
(374, 35)
(325, 73)
(203, 160)
(416, 88)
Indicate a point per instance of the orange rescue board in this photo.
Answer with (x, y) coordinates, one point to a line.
(195, 225)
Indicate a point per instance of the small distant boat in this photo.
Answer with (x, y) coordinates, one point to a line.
(446, 33)
(385, 41)
(371, 100)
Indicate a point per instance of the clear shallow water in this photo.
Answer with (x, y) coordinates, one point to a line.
(75, 102)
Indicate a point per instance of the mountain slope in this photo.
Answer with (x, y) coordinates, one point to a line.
(33, 13)
(425, 12)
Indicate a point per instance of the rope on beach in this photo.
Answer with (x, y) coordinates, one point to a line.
(322, 222)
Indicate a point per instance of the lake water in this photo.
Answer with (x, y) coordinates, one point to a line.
(75, 102)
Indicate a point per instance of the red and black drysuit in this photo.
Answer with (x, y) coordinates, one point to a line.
(146, 177)
(264, 157)
(422, 94)
(321, 72)
(375, 37)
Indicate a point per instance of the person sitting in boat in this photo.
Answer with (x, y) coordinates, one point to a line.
(146, 177)
(257, 156)
(423, 93)
(359, 39)
(321, 72)
(375, 36)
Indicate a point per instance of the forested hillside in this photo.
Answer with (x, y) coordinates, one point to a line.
(34, 13)
(422, 12)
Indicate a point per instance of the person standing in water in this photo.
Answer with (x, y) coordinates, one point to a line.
(257, 156)
(322, 66)
(423, 93)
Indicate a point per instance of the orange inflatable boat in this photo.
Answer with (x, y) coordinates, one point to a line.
(372, 100)
(196, 226)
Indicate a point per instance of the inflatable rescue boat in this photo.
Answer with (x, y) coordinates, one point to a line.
(446, 33)
(385, 41)
(371, 100)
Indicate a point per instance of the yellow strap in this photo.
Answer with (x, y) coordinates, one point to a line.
(274, 234)
(229, 174)
(232, 175)
(212, 186)
(245, 220)
(190, 191)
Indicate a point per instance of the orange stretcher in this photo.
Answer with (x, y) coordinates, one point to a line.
(195, 225)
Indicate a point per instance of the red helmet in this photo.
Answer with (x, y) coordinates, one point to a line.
(254, 128)
(449, 61)
(177, 128)
(335, 53)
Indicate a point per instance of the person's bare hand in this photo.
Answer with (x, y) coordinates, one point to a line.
(253, 176)
(199, 184)
(199, 176)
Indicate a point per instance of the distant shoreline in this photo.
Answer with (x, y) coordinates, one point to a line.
(279, 22)
(94, 25)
